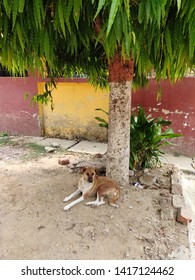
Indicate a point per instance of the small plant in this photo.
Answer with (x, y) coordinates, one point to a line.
(102, 122)
(3, 134)
(4, 139)
(38, 149)
(147, 136)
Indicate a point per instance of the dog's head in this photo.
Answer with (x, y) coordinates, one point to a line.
(89, 174)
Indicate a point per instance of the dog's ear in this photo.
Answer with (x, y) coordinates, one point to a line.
(82, 170)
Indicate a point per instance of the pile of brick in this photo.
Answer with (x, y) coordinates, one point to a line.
(184, 214)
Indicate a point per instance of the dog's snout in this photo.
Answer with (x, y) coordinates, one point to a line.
(90, 179)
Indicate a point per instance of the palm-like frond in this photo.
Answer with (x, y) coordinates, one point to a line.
(159, 34)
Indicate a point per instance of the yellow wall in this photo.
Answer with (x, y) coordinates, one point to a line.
(74, 111)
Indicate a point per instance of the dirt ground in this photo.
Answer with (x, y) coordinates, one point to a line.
(33, 224)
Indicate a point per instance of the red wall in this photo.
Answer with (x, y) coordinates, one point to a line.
(177, 104)
(16, 115)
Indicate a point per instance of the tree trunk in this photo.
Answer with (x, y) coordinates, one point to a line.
(120, 81)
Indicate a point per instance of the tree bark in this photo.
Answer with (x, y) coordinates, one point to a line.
(120, 81)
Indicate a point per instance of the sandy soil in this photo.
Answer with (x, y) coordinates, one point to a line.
(33, 224)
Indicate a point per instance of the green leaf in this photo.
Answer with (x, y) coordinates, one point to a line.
(37, 12)
(67, 13)
(103, 125)
(21, 6)
(14, 13)
(99, 109)
(165, 136)
(7, 7)
(141, 12)
(100, 120)
(101, 33)
(168, 131)
(134, 37)
(118, 27)
(148, 10)
(141, 118)
(46, 46)
(127, 8)
(61, 16)
(125, 24)
(168, 41)
(20, 37)
(113, 10)
(178, 5)
(9, 58)
(5, 31)
(159, 93)
(158, 14)
(164, 122)
(26, 96)
(100, 6)
(158, 10)
(192, 43)
(76, 11)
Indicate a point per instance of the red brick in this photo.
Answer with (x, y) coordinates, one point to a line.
(184, 216)
(63, 161)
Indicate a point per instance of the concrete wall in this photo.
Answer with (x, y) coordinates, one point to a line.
(74, 111)
(177, 104)
(17, 117)
(75, 102)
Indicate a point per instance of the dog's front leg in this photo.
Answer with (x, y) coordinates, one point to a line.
(72, 195)
(80, 199)
(97, 202)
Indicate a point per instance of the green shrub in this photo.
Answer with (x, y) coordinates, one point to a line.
(3, 134)
(147, 136)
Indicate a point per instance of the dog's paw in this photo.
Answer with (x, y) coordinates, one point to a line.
(91, 203)
(95, 203)
(114, 205)
(66, 199)
(66, 208)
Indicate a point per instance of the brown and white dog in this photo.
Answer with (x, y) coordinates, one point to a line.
(90, 184)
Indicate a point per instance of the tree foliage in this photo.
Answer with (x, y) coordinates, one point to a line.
(66, 36)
